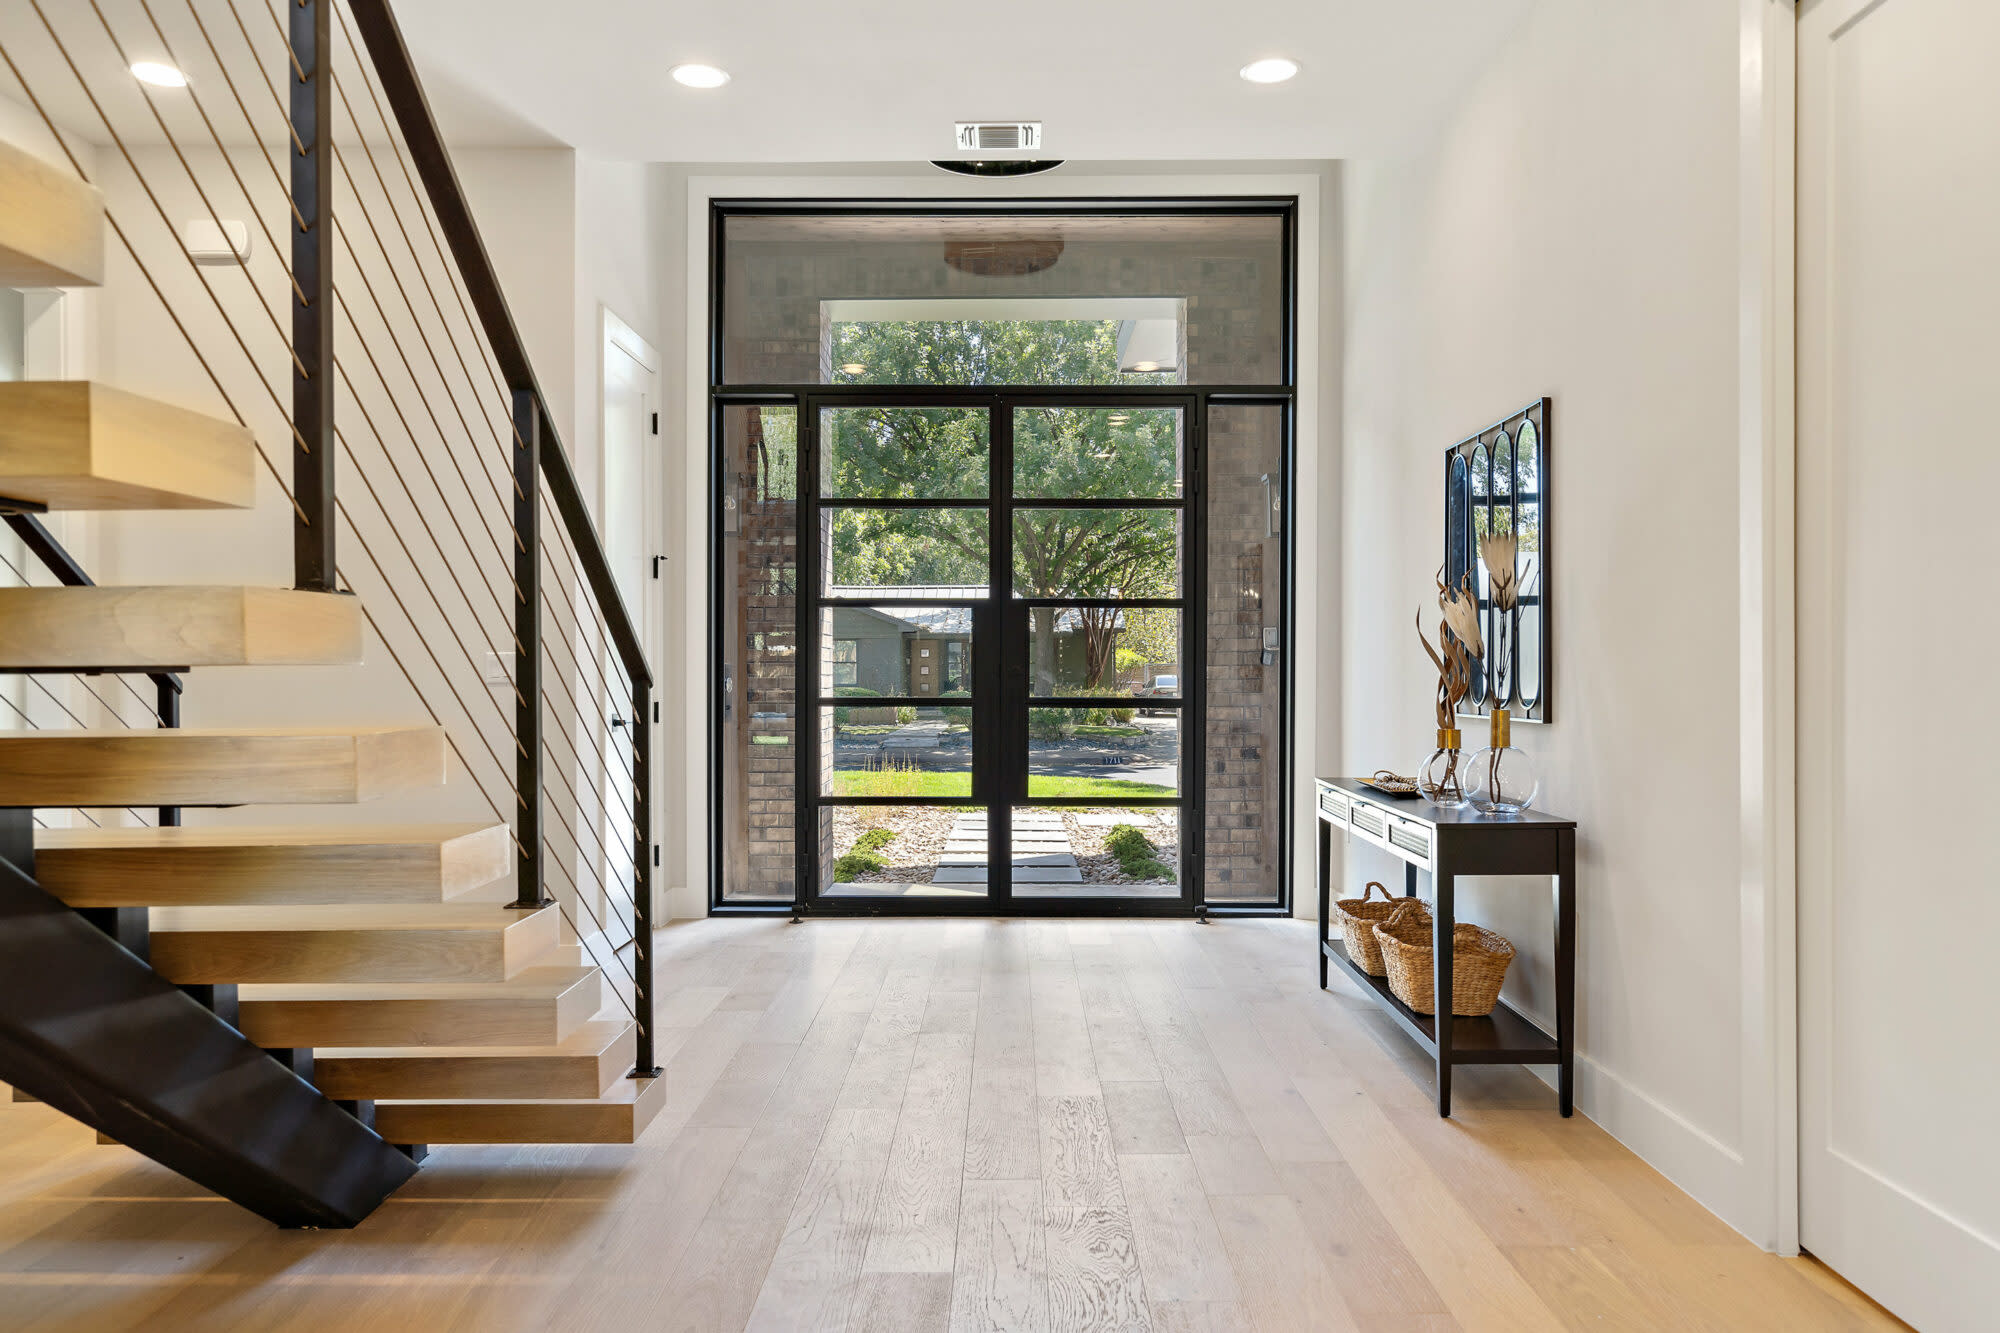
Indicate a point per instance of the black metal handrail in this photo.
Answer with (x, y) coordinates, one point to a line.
(538, 453)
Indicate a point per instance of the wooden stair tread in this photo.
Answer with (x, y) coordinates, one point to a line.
(373, 918)
(582, 1066)
(539, 1006)
(271, 865)
(620, 1116)
(51, 224)
(235, 945)
(166, 627)
(197, 766)
(71, 444)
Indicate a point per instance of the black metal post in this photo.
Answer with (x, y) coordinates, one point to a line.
(312, 312)
(644, 1064)
(528, 654)
(169, 690)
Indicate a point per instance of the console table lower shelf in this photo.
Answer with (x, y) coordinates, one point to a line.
(1501, 1038)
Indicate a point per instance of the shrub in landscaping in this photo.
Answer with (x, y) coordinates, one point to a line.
(1135, 853)
(856, 865)
(874, 838)
(1050, 724)
(956, 715)
(1122, 715)
(906, 714)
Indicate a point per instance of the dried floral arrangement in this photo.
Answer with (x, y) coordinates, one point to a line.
(1497, 551)
(1458, 647)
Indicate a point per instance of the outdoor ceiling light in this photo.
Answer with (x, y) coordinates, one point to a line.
(853, 368)
(1118, 418)
(1272, 69)
(698, 76)
(1145, 367)
(159, 75)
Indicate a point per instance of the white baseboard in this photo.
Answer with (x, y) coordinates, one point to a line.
(1686, 1154)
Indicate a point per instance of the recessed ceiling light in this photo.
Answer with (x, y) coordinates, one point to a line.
(160, 76)
(1145, 367)
(853, 368)
(699, 76)
(1274, 69)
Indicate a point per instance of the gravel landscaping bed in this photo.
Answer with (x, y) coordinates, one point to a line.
(1101, 867)
(912, 854)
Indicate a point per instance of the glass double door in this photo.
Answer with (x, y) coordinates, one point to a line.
(1001, 686)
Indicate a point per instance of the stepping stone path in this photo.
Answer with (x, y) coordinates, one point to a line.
(1041, 850)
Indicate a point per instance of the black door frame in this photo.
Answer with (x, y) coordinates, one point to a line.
(1001, 695)
(1283, 396)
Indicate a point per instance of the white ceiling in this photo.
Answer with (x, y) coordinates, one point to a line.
(883, 80)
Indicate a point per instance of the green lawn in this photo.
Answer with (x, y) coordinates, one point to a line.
(931, 786)
(1102, 732)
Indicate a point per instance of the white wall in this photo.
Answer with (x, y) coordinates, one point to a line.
(1570, 230)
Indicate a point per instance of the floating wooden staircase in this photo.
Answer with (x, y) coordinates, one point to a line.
(438, 1012)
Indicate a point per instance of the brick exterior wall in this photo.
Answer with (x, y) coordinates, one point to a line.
(760, 810)
(1244, 698)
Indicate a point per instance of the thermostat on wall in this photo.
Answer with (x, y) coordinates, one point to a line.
(213, 242)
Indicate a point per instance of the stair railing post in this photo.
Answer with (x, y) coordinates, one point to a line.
(644, 1064)
(312, 303)
(168, 692)
(528, 653)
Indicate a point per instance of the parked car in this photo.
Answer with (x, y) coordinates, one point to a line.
(1163, 687)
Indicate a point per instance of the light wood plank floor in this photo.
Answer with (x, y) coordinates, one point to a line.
(1006, 1125)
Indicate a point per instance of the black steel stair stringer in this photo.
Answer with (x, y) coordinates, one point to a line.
(90, 1029)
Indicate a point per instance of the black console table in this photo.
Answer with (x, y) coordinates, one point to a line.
(1450, 843)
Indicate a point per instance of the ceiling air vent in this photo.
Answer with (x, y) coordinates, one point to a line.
(999, 136)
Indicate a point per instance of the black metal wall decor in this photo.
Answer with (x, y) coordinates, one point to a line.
(1497, 482)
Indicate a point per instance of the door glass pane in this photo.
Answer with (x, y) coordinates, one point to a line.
(903, 453)
(1090, 754)
(1015, 298)
(1245, 683)
(1097, 552)
(904, 552)
(889, 750)
(1126, 652)
(1096, 852)
(759, 522)
(916, 652)
(881, 851)
(1112, 453)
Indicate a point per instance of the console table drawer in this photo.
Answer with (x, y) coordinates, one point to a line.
(1410, 840)
(1333, 804)
(1370, 823)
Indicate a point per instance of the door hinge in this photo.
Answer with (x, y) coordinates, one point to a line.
(656, 423)
(656, 565)
(656, 854)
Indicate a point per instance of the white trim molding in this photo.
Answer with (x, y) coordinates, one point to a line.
(1312, 445)
(1768, 1202)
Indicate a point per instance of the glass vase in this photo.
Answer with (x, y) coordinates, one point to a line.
(1441, 779)
(1501, 780)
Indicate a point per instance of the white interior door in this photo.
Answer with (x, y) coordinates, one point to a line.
(632, 502)
(1899, 886)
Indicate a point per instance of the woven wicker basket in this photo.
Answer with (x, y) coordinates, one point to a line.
(1479, 960)
(1357, 918)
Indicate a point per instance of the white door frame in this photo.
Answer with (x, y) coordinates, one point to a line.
(1311, 450)
(1767, 634)
(619, 340)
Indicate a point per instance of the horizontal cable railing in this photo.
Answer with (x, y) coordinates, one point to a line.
(354, 323)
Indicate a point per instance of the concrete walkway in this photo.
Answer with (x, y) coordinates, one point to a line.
(1041, 850)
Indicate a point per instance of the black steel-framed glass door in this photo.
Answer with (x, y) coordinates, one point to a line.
(1000, 676)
